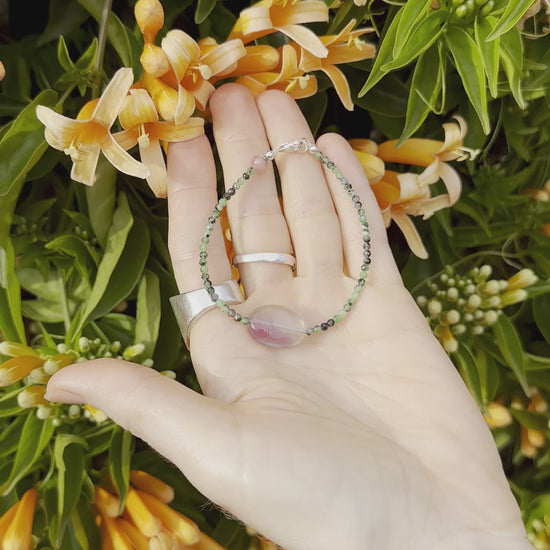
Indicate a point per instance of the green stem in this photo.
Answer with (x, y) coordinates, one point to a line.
(102, 42)
(64, 305)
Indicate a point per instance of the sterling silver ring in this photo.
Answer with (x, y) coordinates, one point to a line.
(270, 257)
(189, 306)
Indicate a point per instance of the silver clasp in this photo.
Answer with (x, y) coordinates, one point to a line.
(299, 146)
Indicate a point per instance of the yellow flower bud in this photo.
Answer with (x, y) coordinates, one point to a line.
(154, 61)
(15, 349)
(107, 504)
(152, 485)
(32, 396)
(448, 341)
(18, 534)
(17, 368)
(149, 17)
(497, 415)
(521, 279)
(513, 297)
(179, 525)
(58, 361)
(140, 514)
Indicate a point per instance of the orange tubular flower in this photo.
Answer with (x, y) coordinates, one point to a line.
(258, 59)
(139, 118)
(345, 47)
(19, 519)
(402, 195)
(285, 16)
(86, 137)
(290, 78)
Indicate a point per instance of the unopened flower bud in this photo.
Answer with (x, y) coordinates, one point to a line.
(452, 294)
(489, 288)
(477, 330)
(448, 341)
(148, 362)
(84, 344)
(115, 346)
(63, 348)
(149, 17)
(2, 71)
(32, 396)
(422, 301)
(467, 317)
(459, 329)
(434, 308)
(74, 411)
(169, 374)
(473, 302)
(14, 349)
(17, 368)
(493, 302)
(44, 412)
(483, 273)
(490, 317)
(469, 289)
(487, 8)
(133, 351)
(450, 317)
(38, 376)
(523, 278)
(154, 60)
(56, 362)
(513, 297)
(497, 415)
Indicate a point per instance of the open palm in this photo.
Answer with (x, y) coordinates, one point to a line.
(361, 437)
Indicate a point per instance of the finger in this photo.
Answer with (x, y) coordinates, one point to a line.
(255, 216)
(308, 205)
(191, 198)
(382, 267)
(187, 428)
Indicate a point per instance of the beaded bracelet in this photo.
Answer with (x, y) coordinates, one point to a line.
(277, 326)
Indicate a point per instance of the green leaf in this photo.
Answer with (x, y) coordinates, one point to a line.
(35, 435)
(469, 64)
(11, 321)
(468, 370)
(23, 144)
(63, 56)
(116, 241)
(412, 12)
(77, 249)
(9, 437)
(148, 312)
(120, 455)
(512, 14)
(489, 51)
(511, 56)
(101, 198)
(422, 38)
(87, 60)
(424, 91)
(541, 314)
(383, 56)
(509, 344)
(531, 420)
(69, 461)
(98, 439)
(203, 9)
(8, 404)
(128, 270)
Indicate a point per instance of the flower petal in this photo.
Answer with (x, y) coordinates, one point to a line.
(154, 60)
(452, 181)
(190, 129)
(137, 108)
(411, 234)
(372, 166)
(253, 22)
(454, 136)
(223, 56)
(60, 130)
(84, 165)
(126, 139)
(153, 158)
(340, 84)
(181, 50)
(112, 97)
(122, 161)
(364, 145)
(306, 38)
(415, 151)
(258, 59)
(294, 13)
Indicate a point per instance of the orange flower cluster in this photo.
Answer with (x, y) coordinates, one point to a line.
(147, 521)
(401, 195)
(180, 76)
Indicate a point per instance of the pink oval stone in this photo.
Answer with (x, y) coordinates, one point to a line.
(276, 327)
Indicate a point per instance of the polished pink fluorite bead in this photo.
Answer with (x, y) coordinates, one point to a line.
(276, 327)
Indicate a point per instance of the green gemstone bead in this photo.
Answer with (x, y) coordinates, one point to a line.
(317, 329)
(224, 308)
(337, 318)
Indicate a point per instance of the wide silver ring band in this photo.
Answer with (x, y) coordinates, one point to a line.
(189, 306)
(271, 257)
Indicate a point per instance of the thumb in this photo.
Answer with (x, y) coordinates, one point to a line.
(194, 432)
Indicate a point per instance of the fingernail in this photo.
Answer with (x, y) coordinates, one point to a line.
(58, 395)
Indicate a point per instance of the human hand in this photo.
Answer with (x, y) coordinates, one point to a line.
(361, 437)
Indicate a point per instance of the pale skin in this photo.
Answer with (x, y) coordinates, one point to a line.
(362, 437)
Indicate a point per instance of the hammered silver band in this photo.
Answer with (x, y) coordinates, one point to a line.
(189, 306)
(270, 257)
